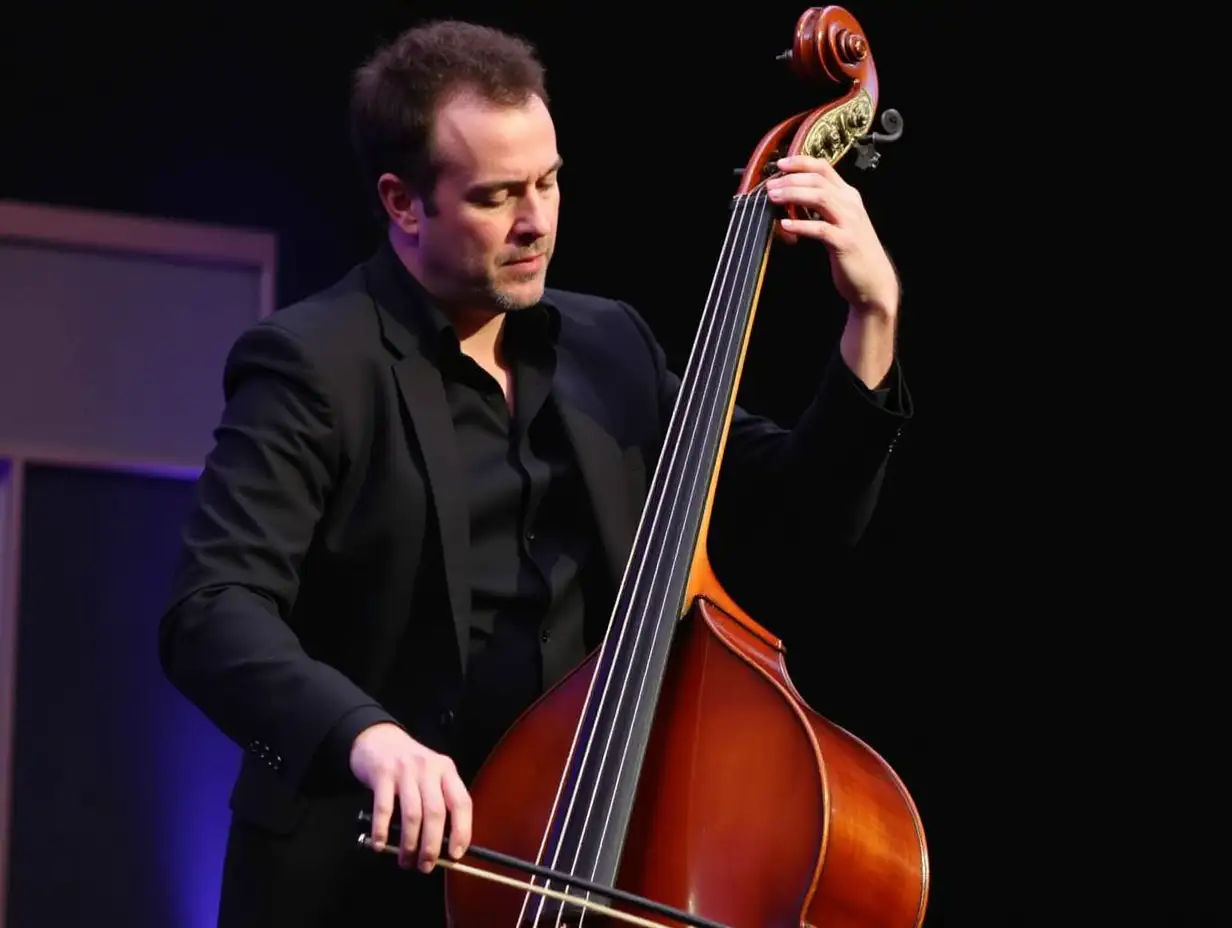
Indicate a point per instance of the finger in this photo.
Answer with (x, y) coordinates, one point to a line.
(412, 815)
(382, 809)
(809, 165)
(789, 238)
(812, 172)
(814, 198)
(798, 179)
(817, 229)
(458, 801)
(433, 821)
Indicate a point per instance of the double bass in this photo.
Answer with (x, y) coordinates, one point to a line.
(696, 786)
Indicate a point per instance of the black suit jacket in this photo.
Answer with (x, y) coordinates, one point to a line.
(329, 531)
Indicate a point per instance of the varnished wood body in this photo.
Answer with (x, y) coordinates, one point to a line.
(752, 809)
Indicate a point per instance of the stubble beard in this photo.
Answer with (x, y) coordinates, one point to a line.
(484, 287)
(504, 299)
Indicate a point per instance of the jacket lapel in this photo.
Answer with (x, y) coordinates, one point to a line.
(603, 470)
(423, 395)
(423, 398)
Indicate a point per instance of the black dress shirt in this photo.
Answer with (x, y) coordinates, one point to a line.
(535, 584)
(539, 594)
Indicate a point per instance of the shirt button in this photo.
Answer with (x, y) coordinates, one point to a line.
(530, 534)
(547, 633)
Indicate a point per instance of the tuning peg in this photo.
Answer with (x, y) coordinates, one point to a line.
(892, 122)
(867, 156)
(783, 56)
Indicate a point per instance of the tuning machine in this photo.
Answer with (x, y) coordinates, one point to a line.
(867, 155)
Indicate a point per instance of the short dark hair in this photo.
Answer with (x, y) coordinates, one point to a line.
(398, 90)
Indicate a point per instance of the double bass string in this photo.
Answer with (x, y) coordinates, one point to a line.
(696, 386)
(739, 262)
(736, 263)
(732, 325)
(679, 415)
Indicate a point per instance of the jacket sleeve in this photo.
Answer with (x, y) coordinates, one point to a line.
(790, 493)
(817, 484)
(224, 640)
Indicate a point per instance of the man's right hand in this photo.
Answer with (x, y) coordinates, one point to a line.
(392, 764)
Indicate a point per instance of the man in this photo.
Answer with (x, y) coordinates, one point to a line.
(427, 478)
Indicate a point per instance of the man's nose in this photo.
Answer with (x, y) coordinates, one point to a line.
(533, 221)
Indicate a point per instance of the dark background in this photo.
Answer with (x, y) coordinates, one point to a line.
(235, 114)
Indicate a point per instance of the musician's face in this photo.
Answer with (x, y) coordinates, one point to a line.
(488, 235)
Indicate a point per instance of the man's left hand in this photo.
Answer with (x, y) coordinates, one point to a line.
(859, 265)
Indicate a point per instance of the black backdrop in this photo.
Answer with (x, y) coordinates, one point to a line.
(229, 114)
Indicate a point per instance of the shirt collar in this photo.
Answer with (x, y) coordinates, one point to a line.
(536, 326)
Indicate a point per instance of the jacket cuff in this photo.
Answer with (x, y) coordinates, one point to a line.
(334, 760)
(891, 395)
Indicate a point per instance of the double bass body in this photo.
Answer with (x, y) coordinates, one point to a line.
(709, 785)
(752, 809)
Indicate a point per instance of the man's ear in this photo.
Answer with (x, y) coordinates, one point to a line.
(399, 203)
